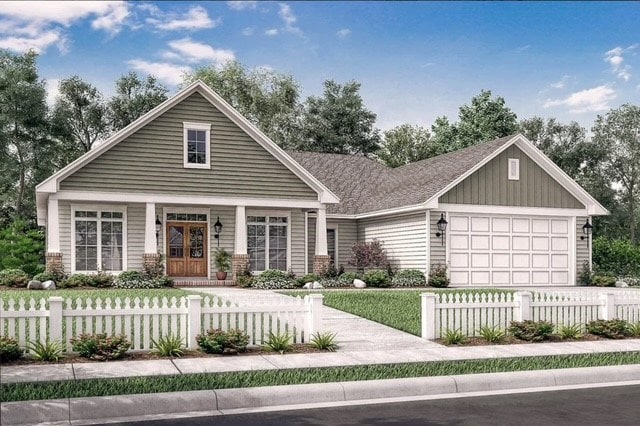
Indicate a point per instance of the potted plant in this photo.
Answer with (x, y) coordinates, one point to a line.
(223, 263)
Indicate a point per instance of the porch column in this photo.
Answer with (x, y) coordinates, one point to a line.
(321, 259)
(240, 258)
(53, 256)
(150, 257)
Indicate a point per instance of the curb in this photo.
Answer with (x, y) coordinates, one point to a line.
(76, 411)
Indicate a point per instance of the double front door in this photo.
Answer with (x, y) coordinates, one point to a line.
(187, 249)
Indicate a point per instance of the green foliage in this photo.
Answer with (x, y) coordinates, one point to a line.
(492, 334)
(454, 337)
(409, 278)
(244, 278)
(135, 279)
(134, 97)
(334, 283)
(9, 349)
(570, 332)
(634, 329)
(631, 281)
(13, 278)
(100, 346)
(616, 257)
(46, 276)
(309, 278)
(216, 341)
(48, 351)
(324, 341)
(279, 342)
(603, 281)
(406, 144)
(377, 278)
(154, 269)
(611, 329)
(531, 331)
(169, 345)
(438, 276)
(348, 277)
(273, 279)
(100, 280)
(222, 260)
(585, 276)
(21, 247)
(366, 255)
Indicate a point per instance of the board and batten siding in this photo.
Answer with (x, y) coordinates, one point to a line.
(437, 250)
(582, 247)
(403, 237)
(490, 185)
(151, 161)
(347, 236)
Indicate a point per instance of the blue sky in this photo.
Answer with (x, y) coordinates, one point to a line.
(415, 60)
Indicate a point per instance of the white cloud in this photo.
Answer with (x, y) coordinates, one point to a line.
(59, 12)
(289, 19)
(39, 44)
(164, 71)
(589, 100)
(247, 32)
(271, 32)
(192, 51)
(195, 18)
(562, 83)
(51, 86)
(615, 59)
(343, 33)
(112, 21)
(242, 5)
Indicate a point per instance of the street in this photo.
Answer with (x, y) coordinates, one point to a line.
(595, 406)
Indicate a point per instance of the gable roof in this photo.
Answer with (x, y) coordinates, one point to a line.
(366, 186)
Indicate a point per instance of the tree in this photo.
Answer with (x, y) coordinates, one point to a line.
(406, 144)
(338, 122)
(134, 97)
(444, 135)
(618, 134)
(22, 127)
(268, 99)
(484, 119)
(22, 247)
(80, 114)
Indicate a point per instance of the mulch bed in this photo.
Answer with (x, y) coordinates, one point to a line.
(510, 340)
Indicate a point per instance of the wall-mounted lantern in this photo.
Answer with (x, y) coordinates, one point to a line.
(587, 228)
(158, 227)
(442, 227)
(217, 228)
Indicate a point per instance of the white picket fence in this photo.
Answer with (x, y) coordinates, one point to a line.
(146, 320)
(468, 312)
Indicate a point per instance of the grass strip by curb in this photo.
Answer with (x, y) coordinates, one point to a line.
(244, 379)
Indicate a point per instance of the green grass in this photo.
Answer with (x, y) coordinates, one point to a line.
(397, 309)
(181, 383)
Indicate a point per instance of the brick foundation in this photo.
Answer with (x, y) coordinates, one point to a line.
(239, 262)
(53, 261)
(150, 260)
(321, 264)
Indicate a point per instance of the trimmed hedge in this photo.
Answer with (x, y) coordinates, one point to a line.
(615, 257)
(409, 278)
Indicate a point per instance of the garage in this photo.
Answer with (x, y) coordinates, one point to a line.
(497, 250)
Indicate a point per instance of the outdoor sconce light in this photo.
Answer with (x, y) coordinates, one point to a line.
(586, 230)
(442, 226)
(158, 226)
(217, 227)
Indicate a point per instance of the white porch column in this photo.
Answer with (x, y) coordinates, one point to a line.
(150, 239)
(241, 231)
(321, 231)
(53, 227)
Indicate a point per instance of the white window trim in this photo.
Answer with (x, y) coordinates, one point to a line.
(186, 126)
(272, 213)
(513, 172)
(98, 208)
(196, 210)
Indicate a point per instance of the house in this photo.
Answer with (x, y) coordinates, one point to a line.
(193, 175)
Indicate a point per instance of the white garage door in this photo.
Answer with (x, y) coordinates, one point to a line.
(508, 250)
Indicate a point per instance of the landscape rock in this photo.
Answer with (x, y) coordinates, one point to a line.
(48, 285)
(359, 283)
(621, 284)
(308, 285)
(34, 285)
(316, 284)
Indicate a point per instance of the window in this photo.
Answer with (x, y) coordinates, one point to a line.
(267, 242)
(98, 240)
(197, 146)
(331, 245)
(514, 169)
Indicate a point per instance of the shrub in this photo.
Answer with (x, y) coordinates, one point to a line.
(154, 269)
(616, 257)
(22, 247)
(101, 280)
(273, 279)
(604, 280)
(454, 337)
(438, 276)
(222, 260)
(14, 278)
(9, 349)
(570, 332)
(585, 276)
(100, 346)
(48, 351)
(216, 341)
(47, 276)
(531, 331)
(377, 278)
(368, 255)
(631, 281)
(309, 278)
(409, 278)
(278, 342)
(348, 277)
(333, 283)
(244, 278)
(169, 345)
(634, 329)
(76, 280)
(492, 334)
(611, 329)
(135, 279)
(324, 341)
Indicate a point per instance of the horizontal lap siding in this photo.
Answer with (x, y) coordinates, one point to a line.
(136, 215)
(64, 218)
(347, 234)
(151, 161)
(297, 242)
(227, 217)
(402, 237)
(437, 249)
(582, 246)
(490, 185)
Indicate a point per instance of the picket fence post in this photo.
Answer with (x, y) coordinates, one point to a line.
(606, 310)
(523, 308)
(55, 319)
(194, 311)
(428, 315)
(314, 304)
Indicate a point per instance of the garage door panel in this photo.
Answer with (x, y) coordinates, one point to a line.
(520, 277)
(500, 260)
(500, 242)
(520, 225)
(559, 227)
(459, 242)
(520, 243)
(480, 260)
(479, 224)
(559, 277)
(459, 260)
(540, 226)
(559, 261)
(480, 277)
(540, 277)
(559, 243)
(501, 278)
(459, 278)
(459, 223)
(540, 260)
(479, 242)
(520, 261)
(500, 224)
(540, 243)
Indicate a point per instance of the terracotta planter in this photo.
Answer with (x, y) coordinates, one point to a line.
(221, 276)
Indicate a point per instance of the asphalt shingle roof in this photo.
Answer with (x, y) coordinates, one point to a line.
(364, 185)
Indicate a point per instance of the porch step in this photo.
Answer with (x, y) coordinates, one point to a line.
(182, 282)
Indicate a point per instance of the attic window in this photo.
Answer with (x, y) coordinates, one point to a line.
(514, 169)
(197, 145)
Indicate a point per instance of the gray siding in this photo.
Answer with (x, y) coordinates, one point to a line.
(151, 160)
(297, 241)
(64, 217)
(347, 236)
(227, 216)
(582, 246)
(403, 237)
(136, 214)
(437, 250)
(490, 185)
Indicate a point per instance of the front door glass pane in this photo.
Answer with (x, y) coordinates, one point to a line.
(196, 242)
(176, 242)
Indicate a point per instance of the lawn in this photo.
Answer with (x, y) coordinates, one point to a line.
(397, 309)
